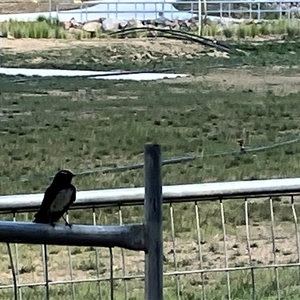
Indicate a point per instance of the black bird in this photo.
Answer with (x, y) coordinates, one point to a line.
(59, 196)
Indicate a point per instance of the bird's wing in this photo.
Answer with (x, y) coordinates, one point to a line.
(72, 200)
(55, 216)
(49, 195)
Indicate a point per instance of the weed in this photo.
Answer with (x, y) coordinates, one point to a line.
(241, 32)
(254, 30)
(228, 33)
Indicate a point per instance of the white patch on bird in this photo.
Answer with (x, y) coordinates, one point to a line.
(61, 200)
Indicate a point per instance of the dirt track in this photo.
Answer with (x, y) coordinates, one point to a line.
(164, 46)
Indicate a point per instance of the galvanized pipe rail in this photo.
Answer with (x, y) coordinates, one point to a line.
(172, 193)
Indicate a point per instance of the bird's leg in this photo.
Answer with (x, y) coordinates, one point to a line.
(66, 222)
(51, 222)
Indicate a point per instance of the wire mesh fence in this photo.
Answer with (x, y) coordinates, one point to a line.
(260, 9)
(87, 10)
(246, 248)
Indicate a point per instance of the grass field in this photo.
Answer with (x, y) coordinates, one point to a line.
(52, 28)
(80, 124)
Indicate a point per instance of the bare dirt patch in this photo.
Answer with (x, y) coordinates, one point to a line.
(251, 80)
(28, 45)
(160, 45)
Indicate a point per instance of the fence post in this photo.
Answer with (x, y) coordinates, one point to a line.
(1, 36)
(153, 223)
(50, 8)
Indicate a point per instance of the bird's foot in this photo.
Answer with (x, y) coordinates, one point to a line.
(52, 224)
(68, 224)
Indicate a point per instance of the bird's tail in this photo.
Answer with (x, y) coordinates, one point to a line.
(38, 218)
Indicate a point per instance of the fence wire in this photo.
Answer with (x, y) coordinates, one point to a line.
(174, 160)
(151, 9)
(212, 250)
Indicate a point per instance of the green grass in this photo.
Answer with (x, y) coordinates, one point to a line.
(41, 28)
(107, 122)
(51, 28)
(265, 288)
(79, 124)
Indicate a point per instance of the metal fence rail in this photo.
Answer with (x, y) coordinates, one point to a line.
(172, 193)
(196, 252)
(151, 9)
